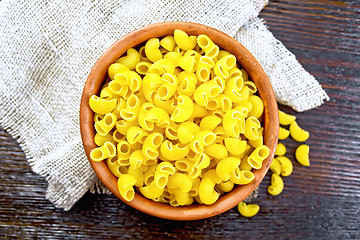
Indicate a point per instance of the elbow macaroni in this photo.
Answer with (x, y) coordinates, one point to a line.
(179, 121)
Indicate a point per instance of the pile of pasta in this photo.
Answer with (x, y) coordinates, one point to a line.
(179, 121)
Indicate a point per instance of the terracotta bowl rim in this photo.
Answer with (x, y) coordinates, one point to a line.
(247, 61)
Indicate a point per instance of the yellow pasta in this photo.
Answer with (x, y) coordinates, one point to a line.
(151, 144)
(297, 133)
(116, 68)
(257, 106)
(151, 82)
(178, 120)
(280, 149)
(302, 155)
(103, 152)
(183, 40)
(100, 105)
(131, 59)
(152, 49)
(277, 185)
(173, 152)
(286, 119)
(183, 110)
(151, 191)
(259, 141)
(125, 186)
(174, 56)
(168, 43)
(115, 167)
(283, 133)
(252, 126)
(206, 91)
(180, 181)
(207, 193)
(244, 165)
(286, 166)
(104, 126)
(136, 134)
(100, 139)
(138, 174)
(248, 210)
(142, 67)
(158, 116)
(187, 83)
(216, 150)
(105, 93)
(232, 123)
(210, 122)
(226, 186)
(226, 166)
(275, 166)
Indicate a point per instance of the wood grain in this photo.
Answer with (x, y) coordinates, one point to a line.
(319, 202)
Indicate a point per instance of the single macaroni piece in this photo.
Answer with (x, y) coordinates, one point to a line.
(162, 66)
(210, 122)
(283, 133)
(260, 153)
(143, 67)
(226, 186)
(248, 210)
(104, 126)
(257, 106)
(183, 40)
(107, 150)
(302, 155)
(100, 105)
(207, 193)
(252, 126)
(235, 146)
(180, 181)
(125, 186)
(277, 185)
(137, 159)
(178, 119)
(173, 152)
(280, 149)
(131, 59)
(226, 166)
(168, 43)
(116, 68)
(152, 50)
(216, 150)
(298, 134)
(100, 139)
(241, 177)
(286, 166)
(275, 166)
(151, 191)
(286, 119)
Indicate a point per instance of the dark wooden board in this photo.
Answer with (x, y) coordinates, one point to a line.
(319, 202)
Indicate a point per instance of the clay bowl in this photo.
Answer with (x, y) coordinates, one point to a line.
(98, 75)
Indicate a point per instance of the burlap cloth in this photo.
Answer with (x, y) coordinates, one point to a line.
(47, 49)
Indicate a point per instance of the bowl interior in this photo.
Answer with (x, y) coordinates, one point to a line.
(270, 118)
